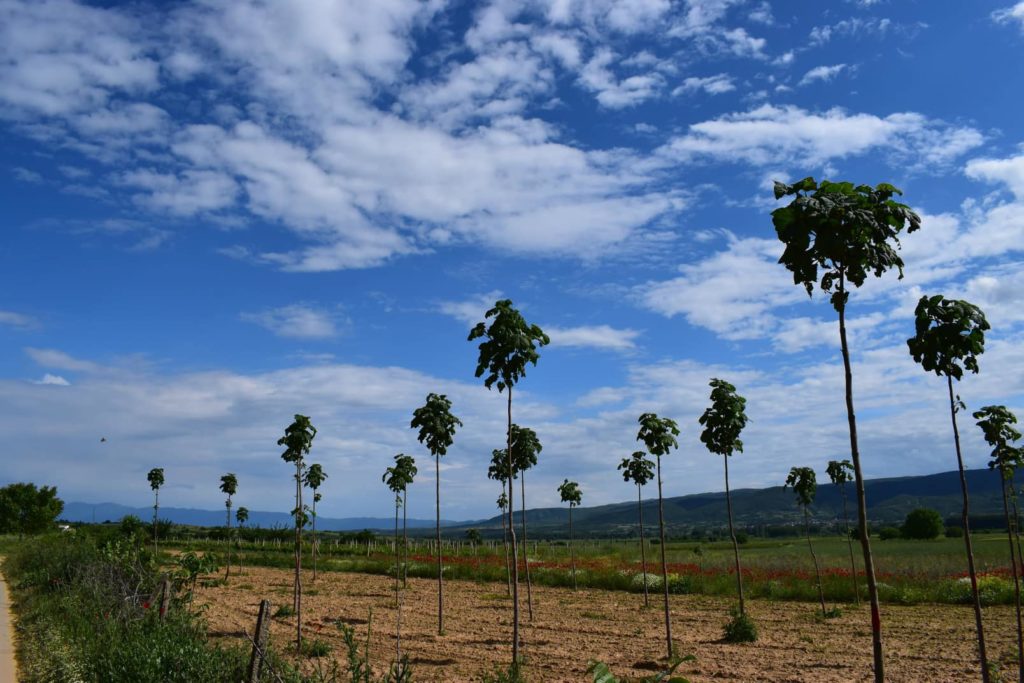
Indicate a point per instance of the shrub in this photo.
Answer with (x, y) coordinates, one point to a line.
(954, 532)
(887, 533)
(923, 524)
(740, 629)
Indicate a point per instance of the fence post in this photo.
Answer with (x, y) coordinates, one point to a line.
(259, 642)
(165, 596)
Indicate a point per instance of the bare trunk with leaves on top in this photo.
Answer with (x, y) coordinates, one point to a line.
(735, 544)
(664, 565)
(512, 540)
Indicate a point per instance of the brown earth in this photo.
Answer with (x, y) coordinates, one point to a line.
(923, 643)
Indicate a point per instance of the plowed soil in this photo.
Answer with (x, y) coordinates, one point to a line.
(923, 643)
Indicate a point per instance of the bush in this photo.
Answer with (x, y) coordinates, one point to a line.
(923, 524)
(954, 532)
(740, 629)
(887, 533)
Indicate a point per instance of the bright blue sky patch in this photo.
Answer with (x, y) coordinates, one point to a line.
(218, 214)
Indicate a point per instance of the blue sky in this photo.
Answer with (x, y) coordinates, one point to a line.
(218, 214)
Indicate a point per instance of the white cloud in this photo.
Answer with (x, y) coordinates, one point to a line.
(822, 73)
(1009, 171)
(602, 337)
(470, 311)
(613, 92)
(53, 380)
(296, 321)
(712, 85)
(1010, 14)
(26, 175)
(191, 192)
(18, 321)
(775, 134)
(58, 360)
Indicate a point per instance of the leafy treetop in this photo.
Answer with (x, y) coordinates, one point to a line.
(842, 229)
(525, 447)
(637, 469)
(724, 419)
(401, 474)
(25, 509)
(436, 424)
(657, 433)
(510, 343)
(996, 423)
(156, 478)
(229, 484)
(839, 471)
(502, 501)
(570, 492)
(315, 476)
(804, 483)
(948, 332)
(498, 469)
(242, 515)
(298, 439)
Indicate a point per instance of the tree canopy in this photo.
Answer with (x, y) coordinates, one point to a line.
(949, 335)
(25, 509)
(436, 423)
(724, 419)
(804, 484)
(637, 468)
(510, 343)
(657, 433)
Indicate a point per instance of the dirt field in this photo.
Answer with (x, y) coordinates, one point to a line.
(923, 643)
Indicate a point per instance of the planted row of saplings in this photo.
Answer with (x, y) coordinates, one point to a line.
(835, 236)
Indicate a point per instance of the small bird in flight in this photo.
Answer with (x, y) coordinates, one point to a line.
(103, 439)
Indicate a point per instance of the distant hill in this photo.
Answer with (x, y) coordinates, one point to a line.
(889, 501)
(88, 512)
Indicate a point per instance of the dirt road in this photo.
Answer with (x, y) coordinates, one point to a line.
(8, 668)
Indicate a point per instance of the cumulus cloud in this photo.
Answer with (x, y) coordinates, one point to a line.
(602, 337)
(712, 85)
(53, 380)
(1006, 15)
(1009, 171)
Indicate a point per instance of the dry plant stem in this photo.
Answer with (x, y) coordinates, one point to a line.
(862, 505)
(817, 572)
(440, 587)
(526, 548)
(1016, 584)
(664, 564)
(982, 656)
(643, 550)
(732, 535)
(512, 540)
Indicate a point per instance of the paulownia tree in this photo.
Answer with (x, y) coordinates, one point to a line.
(395, 478)
(525, 447)
(437, 431)
(949, 336)
(844, 233)
(298, 440)
(723, 421)
(805, 485)
(639, 470)
(314, 479)
(156, 480)
(840, 472)
(498, 470)
(571, 494)
(229, 487)
(509, 343)
(659, 435)
(405, 464)
(996, 423)
(241, 517)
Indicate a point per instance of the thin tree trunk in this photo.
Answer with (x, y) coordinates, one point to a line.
(862, 503)
(849, 544)
(512, 539)
(227, 572)
(982, 656)
(315, 546)
(405, 537)
(732, 535)
(440, 587)
(572, 551)
(398, 595)
(1016, 526)
(817, 572)
(156, 510)
(643, 550)
(1016, 586)
(504, 540)
(298, 556)
(526, 547)
(664, 564)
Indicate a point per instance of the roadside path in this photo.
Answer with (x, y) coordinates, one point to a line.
(8, 669)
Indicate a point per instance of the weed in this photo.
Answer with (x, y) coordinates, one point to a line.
(740, 629)
(284, 611)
